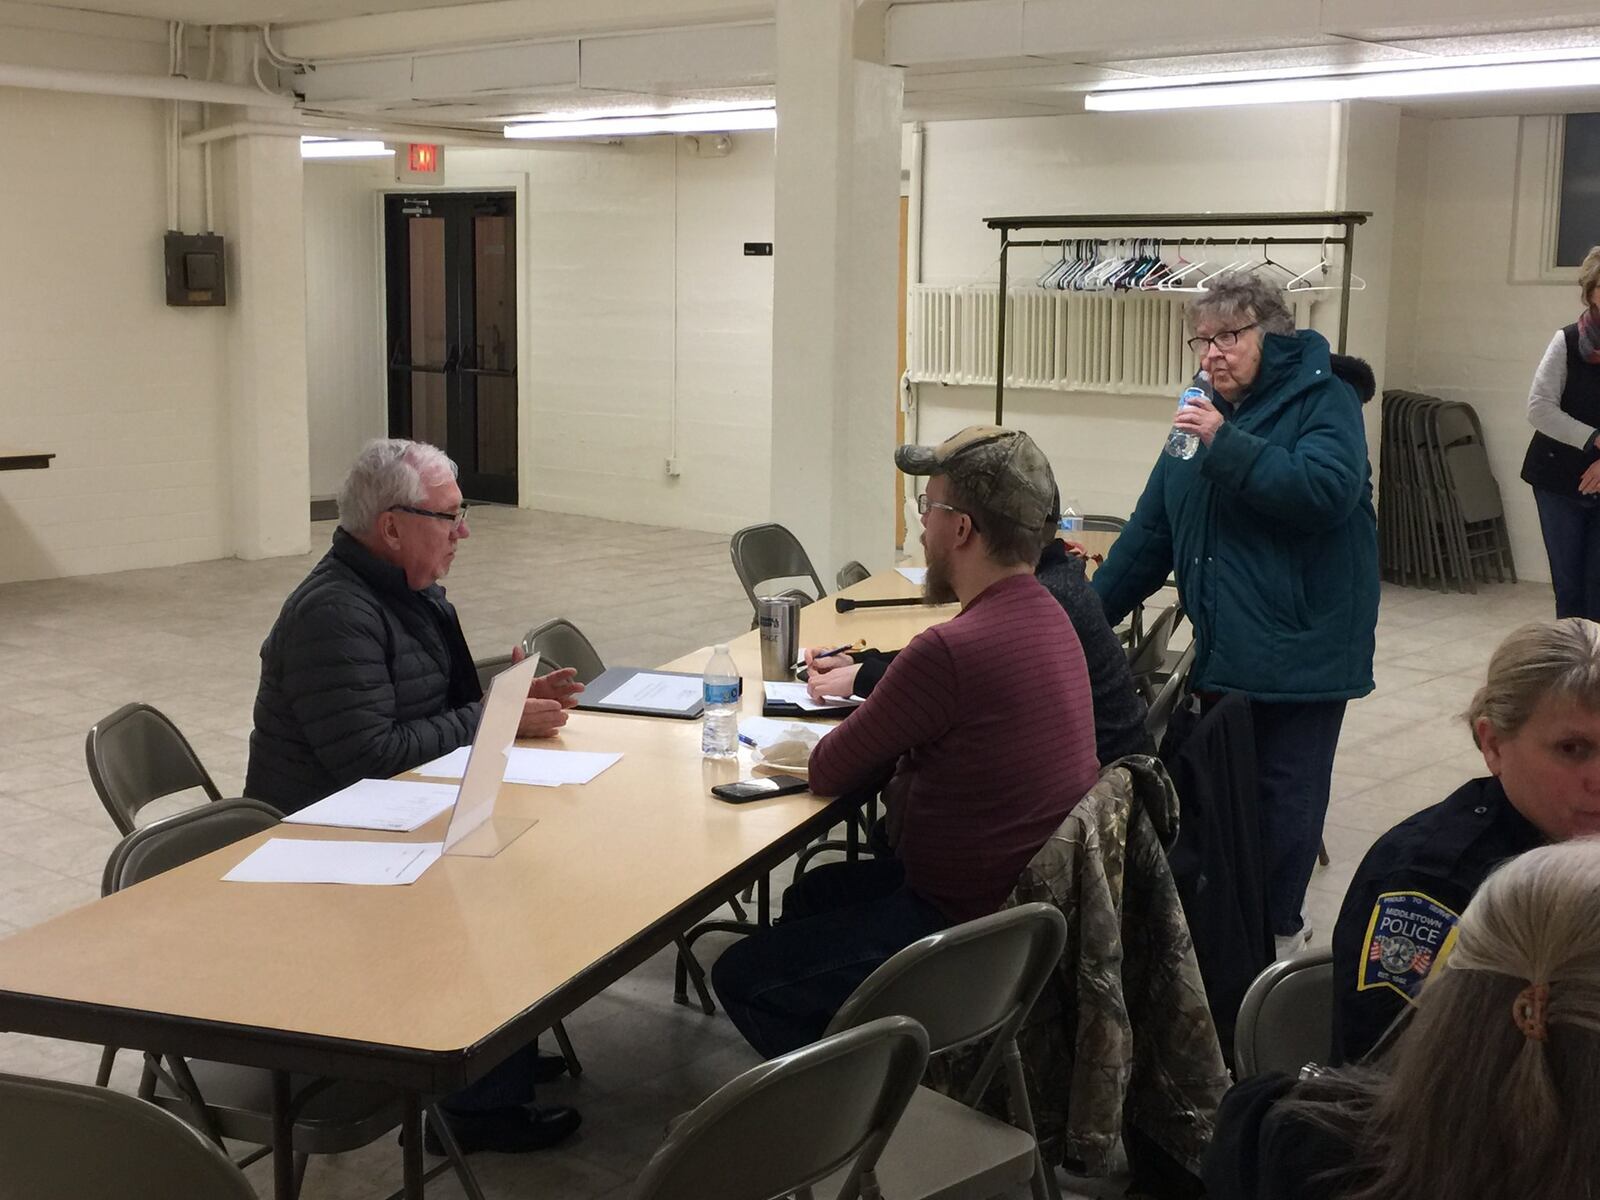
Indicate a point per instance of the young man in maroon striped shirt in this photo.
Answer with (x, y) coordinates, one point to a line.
(985, 723)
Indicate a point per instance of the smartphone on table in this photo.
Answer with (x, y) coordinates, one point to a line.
(763, 787)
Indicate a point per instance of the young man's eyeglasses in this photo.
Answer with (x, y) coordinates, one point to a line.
(926, 502)
(1226, 340)
(457, 519)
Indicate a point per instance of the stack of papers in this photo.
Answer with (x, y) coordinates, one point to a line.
(291, 860)
(395, 805)
(524, 764)
(917, 575)
(797, 695)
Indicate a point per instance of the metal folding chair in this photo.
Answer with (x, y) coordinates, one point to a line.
(68, 1141)
(1286, 1020)
(969, 983)
(136, 756)
(850, 574)
(767, 552)
(784, 1126)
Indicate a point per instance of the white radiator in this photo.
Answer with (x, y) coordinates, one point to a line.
(1122, 342)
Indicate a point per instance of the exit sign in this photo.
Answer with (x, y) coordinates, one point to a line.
(419, 162)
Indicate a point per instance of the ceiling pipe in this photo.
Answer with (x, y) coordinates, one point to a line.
(147, 87)
(440, 137)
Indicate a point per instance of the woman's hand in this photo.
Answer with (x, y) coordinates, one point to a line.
(832, 682)
(1199, 417)
(816, 661)
(1589, 484)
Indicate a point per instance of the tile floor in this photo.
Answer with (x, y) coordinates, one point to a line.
(185, 639)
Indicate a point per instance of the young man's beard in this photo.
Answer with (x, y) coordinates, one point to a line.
(936, 585)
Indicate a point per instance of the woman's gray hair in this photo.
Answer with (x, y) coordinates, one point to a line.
(387, 472)
(1239, 296)
(1560, 658)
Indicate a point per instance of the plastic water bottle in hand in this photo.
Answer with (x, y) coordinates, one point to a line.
(722, 688)
(1179, 443)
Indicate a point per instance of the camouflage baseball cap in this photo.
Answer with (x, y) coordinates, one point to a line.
(1000, 469)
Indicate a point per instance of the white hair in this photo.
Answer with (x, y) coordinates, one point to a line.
(388, 472)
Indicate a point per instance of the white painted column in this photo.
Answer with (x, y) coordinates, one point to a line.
(261, 213)
(835, 278)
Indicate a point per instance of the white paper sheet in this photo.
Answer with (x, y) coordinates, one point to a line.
(446, 766)
(796, 694)
(391, 804)
(917, 575)
(650, 690)
(552, 768)
(530, 765)
(293, 860)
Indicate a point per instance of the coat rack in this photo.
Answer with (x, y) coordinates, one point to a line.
(1130, 224)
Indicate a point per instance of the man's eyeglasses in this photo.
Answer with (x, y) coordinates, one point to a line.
(925, 502)
(1226, 340)
(457, 519)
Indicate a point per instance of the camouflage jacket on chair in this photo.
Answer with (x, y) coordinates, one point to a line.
(1124, 1035)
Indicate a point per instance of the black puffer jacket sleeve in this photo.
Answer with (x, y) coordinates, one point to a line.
(336, 677)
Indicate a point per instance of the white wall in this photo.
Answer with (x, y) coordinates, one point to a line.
(1472, 335)
(346, 385)
(93, 365)
(1241, 160)
(647, 332)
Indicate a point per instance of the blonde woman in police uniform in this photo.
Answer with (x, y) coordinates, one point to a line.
(1537, 722)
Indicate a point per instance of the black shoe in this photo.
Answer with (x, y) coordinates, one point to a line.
(547, 1068)
(505, 1130)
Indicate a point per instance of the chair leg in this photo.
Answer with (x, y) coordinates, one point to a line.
(690, 965)
(1043, 1184)
(452, 1150)
(108, 1056)
(300, 1161)
(574, 1067)
(1322, 854)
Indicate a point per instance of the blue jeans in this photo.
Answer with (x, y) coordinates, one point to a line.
(840, 923)
(1294, 773)
(1571, 527)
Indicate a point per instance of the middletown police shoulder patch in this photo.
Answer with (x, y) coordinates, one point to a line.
(1408, 934)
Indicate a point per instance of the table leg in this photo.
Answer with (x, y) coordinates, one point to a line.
(283, 1173)
(764, 903)
(411, 1151)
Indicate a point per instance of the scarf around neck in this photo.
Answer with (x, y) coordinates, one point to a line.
(1589, 336)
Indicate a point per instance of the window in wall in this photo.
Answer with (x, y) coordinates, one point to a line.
(1579, 224)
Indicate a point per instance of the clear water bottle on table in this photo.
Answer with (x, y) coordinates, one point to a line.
(1181, 444)
(722, 690)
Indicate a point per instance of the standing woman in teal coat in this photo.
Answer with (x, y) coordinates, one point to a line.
(1271, 533)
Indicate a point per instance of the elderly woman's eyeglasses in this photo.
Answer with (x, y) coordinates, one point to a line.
(1226, 340)
(457, 520)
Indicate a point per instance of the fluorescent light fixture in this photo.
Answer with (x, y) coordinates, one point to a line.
(1425, 81)
(643, 110)
(323, 147)
(720, 121)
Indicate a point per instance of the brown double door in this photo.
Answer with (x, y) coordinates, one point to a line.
(452, 332)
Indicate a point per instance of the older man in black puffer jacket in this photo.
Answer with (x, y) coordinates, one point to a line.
(366, 674)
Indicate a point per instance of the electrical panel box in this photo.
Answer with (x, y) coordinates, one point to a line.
(195, 272)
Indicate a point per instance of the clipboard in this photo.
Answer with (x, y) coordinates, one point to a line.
(597, 689)
(780, 708)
